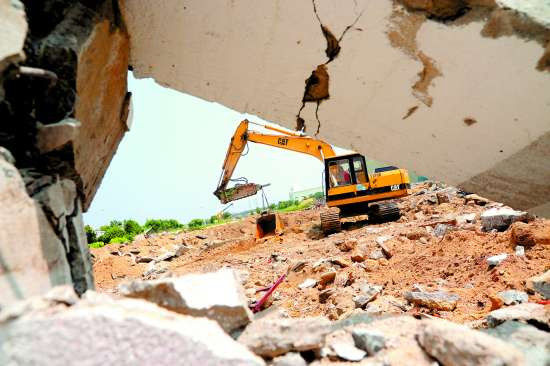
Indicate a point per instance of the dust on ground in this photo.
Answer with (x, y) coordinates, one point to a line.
(454, 262)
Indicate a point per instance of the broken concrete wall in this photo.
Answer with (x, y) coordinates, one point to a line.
(453, 90)
(63, 110)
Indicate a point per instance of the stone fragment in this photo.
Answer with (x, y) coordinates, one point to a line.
(439, 300)
(124, 332)
(140, 259)
(368, 340)
(513, 297)
(348, 352)
(309, 282)
(534, 343)
(416, 234)
(327, 278)
(466, 219)
(454, 344)
(325, 294)
(340, 262)
(6, 155)
(423, 240)
(346, 245)
(520, 251)
(171, 254)
(500, 218)
(298, 266)
(377, 254)
(382, 239)
(271, 337)
(215, 295)
(56, 135)
(528, 235)
(443, 197)
(528, 312)
(367, 293)
(290, 359)
(540, 284)
(495, 260)
(478, 200)
(358, 257)
(440, 230)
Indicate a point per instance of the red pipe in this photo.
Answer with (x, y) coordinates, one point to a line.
(258, 305)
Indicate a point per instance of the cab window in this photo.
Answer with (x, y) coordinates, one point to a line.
(339, 173)
(360, 171)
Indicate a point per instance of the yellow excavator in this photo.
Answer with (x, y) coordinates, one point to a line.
(347, 183)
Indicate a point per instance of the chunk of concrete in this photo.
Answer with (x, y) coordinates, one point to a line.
(368, 340)
(367, 293)
(271, 337)
(528, 312)
(103, 330)
(14, 30)
(56, 135)
(500, 218)
(348, 352)
(307, 283)
(290, 359)
(534, 343)
(438, 300)
(540, 284)
(529, 235)
(217, 295)
(495, 260)
(513, 297)
(454, 344)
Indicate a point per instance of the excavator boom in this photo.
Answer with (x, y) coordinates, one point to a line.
(285, 140)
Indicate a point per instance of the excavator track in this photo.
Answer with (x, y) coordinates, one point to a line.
(330, 222)
(384, 212)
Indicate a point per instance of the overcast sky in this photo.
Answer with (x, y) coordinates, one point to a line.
(169, 163)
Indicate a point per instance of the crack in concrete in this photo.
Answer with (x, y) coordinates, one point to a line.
(316, 89)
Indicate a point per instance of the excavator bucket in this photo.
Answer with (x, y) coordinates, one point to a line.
(237, 192)
(268, 224)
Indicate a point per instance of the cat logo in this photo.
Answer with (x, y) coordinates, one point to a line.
(282, 141)
(394, 187)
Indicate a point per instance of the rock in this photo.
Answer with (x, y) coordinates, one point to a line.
(520, 251)
(466, 219)
(513, 297)
(386, 250)
(495, 260)
(540, 284)
(298, 266)
(500, 218)
(325, 294)
(340, 262)
(528, 235)
(377, 254)
(309, 282)
(423, 240)
(368, 340)
(56, 135)
(6, 155)
(61, 335)
(528, 312)
(202, 237)
(14, 29)
(454, 344)
(290, 359)
(440, 230)
(357, 257)
(416, 234)
(171, 254)
(367, 293)
(346, 245)
(439, 300)
(140, 259)
(443, 197)
(478, 200)
(327, 278)
(271, 337)
(534, 343)
(382, 239)
(215, 295)
(348, 352)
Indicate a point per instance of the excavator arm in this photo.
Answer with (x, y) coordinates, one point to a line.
(286, 140)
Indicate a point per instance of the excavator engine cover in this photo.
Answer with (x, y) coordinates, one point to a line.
(268, 224)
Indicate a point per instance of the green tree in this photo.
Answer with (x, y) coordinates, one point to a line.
(196, 223)
(90, 234)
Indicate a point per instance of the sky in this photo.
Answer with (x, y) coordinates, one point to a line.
(169, 163)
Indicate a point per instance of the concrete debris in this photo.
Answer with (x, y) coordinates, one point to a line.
(443, 197)
(466, 219)
(144, 259)
(520, 251)
(382, 239)
(56, 135)
(453, 344)
(495, 260)
(377, 254)
(272, 337)
(326, 294)
(529, 235)
(534, 343)
(368, 340)
(298, 266)
(6, 155)
(439, 300)
(367, 293)
(99, 330)
(290, 359)
(478, 200)
(440, 230)
(308, 283)
(540, 284)
(528, 312)
(327, 278)
(513, 297)
(500, 218)
(346, 245)
(348, 352)
(171, 254)
(416, 234)
(216, 295)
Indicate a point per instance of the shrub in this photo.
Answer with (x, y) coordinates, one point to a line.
(120, 240)
(213, 219)
(90, 234)
(97, 244)
(226, 215)
(111, 232)
(195, 223)
(157, 225)
(132, 228)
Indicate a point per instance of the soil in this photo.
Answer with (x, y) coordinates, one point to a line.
(454, 262)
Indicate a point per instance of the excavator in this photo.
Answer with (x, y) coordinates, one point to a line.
(347, 185)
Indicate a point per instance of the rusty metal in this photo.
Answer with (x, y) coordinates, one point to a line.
(237, 192)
